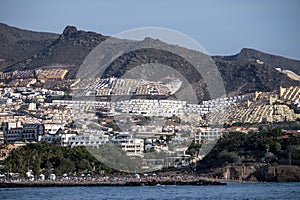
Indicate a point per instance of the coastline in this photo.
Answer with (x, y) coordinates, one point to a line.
(111, 184)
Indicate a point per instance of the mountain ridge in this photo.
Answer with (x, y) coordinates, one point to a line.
(275, 61)
(72, 46)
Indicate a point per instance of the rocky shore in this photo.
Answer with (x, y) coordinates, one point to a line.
(257, 173)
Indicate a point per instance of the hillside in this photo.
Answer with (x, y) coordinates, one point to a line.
(69, 49)
(18, 44)
(245, 76)
(247, 54)
(241, 73)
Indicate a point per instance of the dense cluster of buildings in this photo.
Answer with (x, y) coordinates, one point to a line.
(164, 108)
(52, 74)
(136, 125)
(114, 86)
(40, 74)
(17, 74)
(265, 107)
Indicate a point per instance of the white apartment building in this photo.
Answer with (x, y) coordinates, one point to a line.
(164, 108)
(65, 137)
(52, 128)
(28, 132)
(88, 139)
(132, 146)
(206, 135)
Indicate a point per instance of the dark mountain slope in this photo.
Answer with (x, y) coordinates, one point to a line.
(18, 44)
(271, 60)
(69, 49)
(248, 76)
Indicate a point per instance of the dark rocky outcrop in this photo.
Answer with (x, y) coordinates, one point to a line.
(280, 173)
(69, 30)
(258, 173)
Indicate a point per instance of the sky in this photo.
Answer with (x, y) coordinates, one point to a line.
(222, 27)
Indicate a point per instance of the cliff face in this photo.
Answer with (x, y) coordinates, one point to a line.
(281, 173)
(259, 173)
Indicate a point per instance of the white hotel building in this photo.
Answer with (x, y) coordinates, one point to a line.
(88, 139)
(132, 146)
(207, 135)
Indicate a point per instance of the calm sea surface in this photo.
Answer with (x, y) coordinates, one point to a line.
(231, 191)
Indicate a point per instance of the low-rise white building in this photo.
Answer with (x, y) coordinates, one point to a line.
(65, 137)
(52, 128)
(205, 135)
(87, 139)
(132, 146)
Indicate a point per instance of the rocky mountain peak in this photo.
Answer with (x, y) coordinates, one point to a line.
(69, 30)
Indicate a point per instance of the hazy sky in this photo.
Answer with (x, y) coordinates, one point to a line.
(221, 27)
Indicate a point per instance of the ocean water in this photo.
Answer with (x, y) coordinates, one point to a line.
(231, 191)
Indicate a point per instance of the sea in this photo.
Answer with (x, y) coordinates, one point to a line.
(230, 191)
